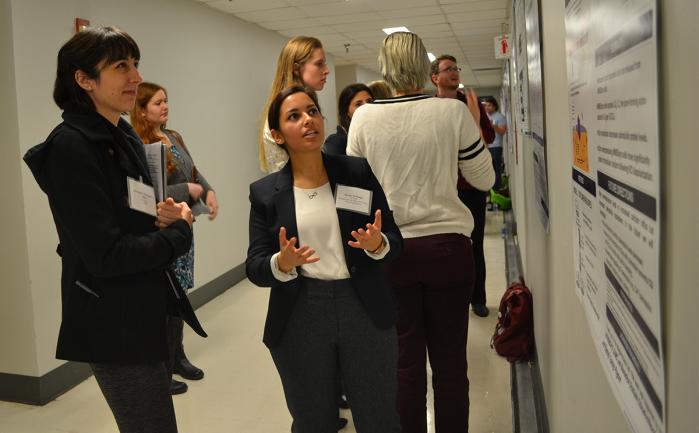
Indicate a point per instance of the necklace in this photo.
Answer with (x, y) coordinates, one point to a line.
(312, 195)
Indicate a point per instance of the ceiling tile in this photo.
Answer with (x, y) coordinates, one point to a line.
(317, 31)
(236, 6)
(410, 12)
(431, 28)
(471, 6)
(384, 5)
(348, 18)
(335, 9)
(279, 14)
(290, 24)
(494, 23)
(313, 2)
(365, 26)
(493, 14)
(463, 28)
(411, 22)
(449, 2)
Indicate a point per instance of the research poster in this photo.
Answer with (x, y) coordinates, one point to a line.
(536, 108)
(521, 80)
(506, 110)
(612, 62)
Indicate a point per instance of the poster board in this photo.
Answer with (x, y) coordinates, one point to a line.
(529, 97)
(536, 108)
(612, 68)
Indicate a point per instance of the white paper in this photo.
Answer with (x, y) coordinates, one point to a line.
(157, 165)
(353, 199)
(520, 68)
(613, 117)
(141, 196)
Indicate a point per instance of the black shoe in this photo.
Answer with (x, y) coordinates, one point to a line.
(177, 387)
(185, 369)
(342, 402)
(480, 310)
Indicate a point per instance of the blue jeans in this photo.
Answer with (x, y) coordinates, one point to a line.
(496, 155)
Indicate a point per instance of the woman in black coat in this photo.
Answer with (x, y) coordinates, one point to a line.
(116, 245)
(331, 309)
(351, 98)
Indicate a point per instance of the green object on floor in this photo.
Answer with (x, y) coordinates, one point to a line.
(503, 202)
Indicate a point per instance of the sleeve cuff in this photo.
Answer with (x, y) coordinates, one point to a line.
(279, 275)
(383, 253)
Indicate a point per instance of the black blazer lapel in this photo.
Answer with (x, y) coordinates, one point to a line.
(284, 201)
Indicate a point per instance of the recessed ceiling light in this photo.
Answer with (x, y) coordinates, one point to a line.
(389, 30)
(431, 56)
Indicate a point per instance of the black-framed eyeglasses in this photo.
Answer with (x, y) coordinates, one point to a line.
(451, 69)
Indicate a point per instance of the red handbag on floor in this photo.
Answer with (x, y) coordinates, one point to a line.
(514, 332)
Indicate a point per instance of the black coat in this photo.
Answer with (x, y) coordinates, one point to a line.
(336, 143)
(115, 292)
(272, 206)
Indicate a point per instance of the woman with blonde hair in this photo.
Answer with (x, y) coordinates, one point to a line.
(414, 144)
(184, 184)
(301, 63)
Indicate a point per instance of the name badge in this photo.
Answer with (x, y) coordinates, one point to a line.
(353, 199)
(141, 196)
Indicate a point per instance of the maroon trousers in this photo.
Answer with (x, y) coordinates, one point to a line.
(433, 280)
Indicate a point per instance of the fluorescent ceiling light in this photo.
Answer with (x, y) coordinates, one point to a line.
(389, 30)
(431, 56)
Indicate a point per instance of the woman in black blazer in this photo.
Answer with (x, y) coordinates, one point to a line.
(117, 291)
(331, 308)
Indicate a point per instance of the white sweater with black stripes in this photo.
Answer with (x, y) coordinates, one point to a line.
(414, 145)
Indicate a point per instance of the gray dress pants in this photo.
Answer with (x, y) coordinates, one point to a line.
(328, 332)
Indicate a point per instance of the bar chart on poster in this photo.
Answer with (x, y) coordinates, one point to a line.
(612, 64)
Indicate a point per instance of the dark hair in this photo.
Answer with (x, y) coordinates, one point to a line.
(343, 103)
(493, 101)
(434, 66)
(87, 50)
(275, 107)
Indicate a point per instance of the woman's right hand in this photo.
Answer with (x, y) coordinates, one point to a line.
(289, 256)
(195, 190)
(169, 212)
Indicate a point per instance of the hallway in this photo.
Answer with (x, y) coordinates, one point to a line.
(242, 392)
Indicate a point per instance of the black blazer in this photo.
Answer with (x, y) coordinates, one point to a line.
(272, 206)
(336, 143)
(115, 292)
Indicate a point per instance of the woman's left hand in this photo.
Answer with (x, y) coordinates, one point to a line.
(212, 203)
(369, 239)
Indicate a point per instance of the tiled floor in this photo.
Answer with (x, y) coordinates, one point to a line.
(241, 391)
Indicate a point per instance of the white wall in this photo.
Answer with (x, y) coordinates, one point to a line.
(218, 71)
(578, 397)
(366, 76)
(680, 208)
(350, 74)
(17, 333)
(488, 91)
